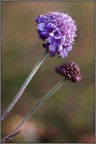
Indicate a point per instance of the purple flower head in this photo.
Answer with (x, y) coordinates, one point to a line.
(58, 30)
(70, 70)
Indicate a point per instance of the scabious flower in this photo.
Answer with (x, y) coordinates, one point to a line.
(70, 70)
(58, 30)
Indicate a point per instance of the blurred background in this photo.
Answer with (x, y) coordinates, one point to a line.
(67, 116)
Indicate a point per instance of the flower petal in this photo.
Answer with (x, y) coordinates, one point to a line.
(50, 40)
(45, 34)
(51, 27)
(57, 34)
(52, 47)
(51, 34)
(63, 53)
(41, 27)
(52, 54)
(68, 48)
(60, 48)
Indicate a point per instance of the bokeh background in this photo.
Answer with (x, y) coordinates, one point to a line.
(68, 116)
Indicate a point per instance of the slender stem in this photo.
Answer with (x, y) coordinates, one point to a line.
(16, 98)
(17, 130)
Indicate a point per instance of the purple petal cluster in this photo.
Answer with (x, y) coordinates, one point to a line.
(58, 30)
(70, 70)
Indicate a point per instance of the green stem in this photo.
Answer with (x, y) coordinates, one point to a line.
(17, 130)
(16, 98)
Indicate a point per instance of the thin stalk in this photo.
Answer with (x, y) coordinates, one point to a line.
(46, 96)
(18, 95)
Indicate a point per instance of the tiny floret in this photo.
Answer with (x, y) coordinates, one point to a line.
(58, 30)
(70, 70)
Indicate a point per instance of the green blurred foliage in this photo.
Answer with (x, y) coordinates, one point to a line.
(69, 113)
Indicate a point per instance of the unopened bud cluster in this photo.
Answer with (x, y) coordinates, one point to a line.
(70, 70)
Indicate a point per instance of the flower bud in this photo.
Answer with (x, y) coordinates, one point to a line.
(70, 70)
